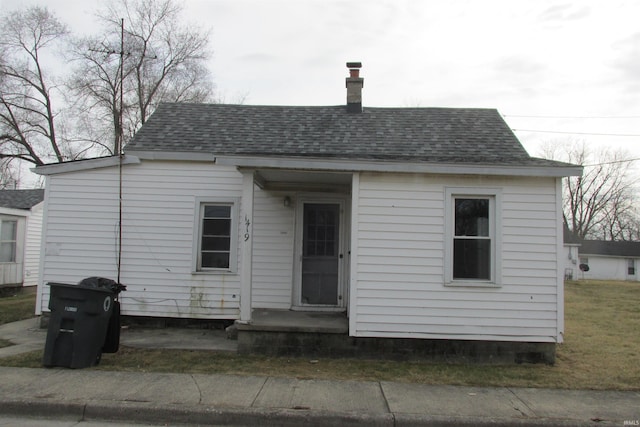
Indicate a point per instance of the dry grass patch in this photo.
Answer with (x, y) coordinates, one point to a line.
(602, 351)
(602, 344)
(17, 307)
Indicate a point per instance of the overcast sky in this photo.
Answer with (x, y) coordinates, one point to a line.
(577, 62)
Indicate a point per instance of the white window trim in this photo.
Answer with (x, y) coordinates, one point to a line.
(16, 241)
(495, 220)
(197, 237)
(631, 263)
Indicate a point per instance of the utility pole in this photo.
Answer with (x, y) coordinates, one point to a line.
(119, 141)
(119, 144)
(120, 118)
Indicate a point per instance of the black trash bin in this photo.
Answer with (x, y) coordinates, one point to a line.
(112, 338)
(80, 316)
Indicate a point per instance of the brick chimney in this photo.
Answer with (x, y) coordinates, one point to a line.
(354, 88)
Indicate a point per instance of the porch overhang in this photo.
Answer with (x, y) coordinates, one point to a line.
(300, 180)
(441, 168)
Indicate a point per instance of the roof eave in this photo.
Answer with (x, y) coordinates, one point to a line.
(15, 211)
(397, 166)
(82, 165)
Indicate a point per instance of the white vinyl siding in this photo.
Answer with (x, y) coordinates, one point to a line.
(603, 267)
(399, 272)
(32, 245)
(273, 243)
(159, 207)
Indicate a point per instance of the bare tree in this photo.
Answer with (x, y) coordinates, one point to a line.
(27, 115)
(96, 90)
(164, 61)
(600, 204)
(9, 178)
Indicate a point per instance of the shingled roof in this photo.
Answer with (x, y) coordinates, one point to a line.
(610, 248)
(456, 135)
(20, 199)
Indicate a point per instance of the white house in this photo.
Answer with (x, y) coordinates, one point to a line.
(609, 260)
(20, 230)
(427, 223)
(571, 255)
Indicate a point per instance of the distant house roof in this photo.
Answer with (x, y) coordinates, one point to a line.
(608, 248)
(20, 199)
(451, 135)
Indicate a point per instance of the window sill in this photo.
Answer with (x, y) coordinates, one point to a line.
(472, 284)
(212, 272)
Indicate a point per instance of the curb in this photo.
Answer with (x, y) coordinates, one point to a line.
(147, 413)
(187, 414)
(201, 415)
(43, 408)
(416, 420)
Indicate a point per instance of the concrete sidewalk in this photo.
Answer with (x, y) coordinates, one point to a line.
(199, 399)
(238, 400)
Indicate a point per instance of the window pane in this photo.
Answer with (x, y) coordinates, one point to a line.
(472, 217)
(215, 237)
(471, 259)
(215, 260)
(8, 230)
(216, 243)
(8, 252)
(310, 248)
(216, 227)
(213, 211)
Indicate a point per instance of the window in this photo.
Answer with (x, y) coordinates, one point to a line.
(631, 267)
(472, 242)
(8, 233)
(216, 248)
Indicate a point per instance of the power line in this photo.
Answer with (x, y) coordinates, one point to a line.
(576, 133)
(613, 162)
(570, 117)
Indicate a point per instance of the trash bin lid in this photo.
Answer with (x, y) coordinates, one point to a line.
(69, 286)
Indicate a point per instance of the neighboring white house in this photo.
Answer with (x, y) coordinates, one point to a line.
(428, 223)
(571, 256)
(20, 235)
(609, 260)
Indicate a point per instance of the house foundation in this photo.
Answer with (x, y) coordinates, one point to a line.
(305, 334)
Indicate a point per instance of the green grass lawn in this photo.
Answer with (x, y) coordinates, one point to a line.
(601, 351)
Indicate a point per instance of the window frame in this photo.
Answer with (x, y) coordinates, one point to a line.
(494, 195)
(14, 241)
(200, 204)
(631, 267)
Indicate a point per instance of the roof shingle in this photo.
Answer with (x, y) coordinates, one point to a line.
(458, 135)
(610, 248)
(20, 199)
